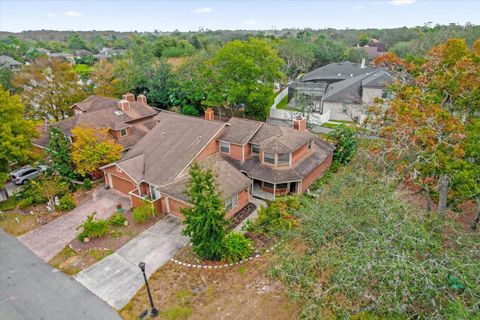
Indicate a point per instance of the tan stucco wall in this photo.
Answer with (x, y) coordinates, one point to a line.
(369, 94)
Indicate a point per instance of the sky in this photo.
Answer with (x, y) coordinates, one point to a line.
(127, 15)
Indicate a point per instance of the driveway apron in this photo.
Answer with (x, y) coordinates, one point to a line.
(48, 240)
(116, 278)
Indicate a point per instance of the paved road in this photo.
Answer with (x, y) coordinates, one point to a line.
(48, 240)
(117, 278)
(32, 289)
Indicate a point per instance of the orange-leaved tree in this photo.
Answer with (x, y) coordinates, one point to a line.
(93, 148)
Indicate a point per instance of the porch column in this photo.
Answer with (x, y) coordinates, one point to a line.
(274, 191)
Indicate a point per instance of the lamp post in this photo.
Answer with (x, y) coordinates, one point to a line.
(154, 311)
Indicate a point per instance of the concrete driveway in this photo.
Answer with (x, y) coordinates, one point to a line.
(48, 240)
(32, 289)
(117, 278)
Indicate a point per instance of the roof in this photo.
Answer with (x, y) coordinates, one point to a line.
(279, 139)
(229, 180)
(240, 131)
(162, 154)
(9, 61)
(350, 90)
(254, 169)
(337, 71)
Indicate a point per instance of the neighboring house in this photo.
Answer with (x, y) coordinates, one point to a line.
(248, 158)
(64, 56)
(127, 120)
(80, 53)
(341, 90)
(374, 48)
(108, 53)
(10, 63)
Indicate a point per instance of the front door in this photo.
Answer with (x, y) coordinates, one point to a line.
(293, 187)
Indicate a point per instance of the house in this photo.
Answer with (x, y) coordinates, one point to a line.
(249, 158)
(63, 56)
(374, 48)
(340, 90)
(10, 63)
(128, 120)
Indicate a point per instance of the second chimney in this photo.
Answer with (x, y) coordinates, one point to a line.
(129, 97)
(142, 99)
(300, 123)
(209, 114)
(124, 105)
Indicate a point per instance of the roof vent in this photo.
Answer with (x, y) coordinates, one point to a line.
(163, 133)
(118, 112)
(351, 74)
(339, 74)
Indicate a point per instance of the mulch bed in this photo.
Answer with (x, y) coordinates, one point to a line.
(241, 215)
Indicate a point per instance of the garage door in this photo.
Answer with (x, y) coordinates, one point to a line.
(121, 185)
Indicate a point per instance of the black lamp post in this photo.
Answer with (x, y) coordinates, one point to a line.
(154, 311)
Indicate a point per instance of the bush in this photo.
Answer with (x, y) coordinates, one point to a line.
(143, 213)
(93, 228)
(277, 216)
(30, 191)
(236, 247)
(87, 184)
(67, 202)
(190, 111)
(344, 138)
(117, 219)
(25, 203)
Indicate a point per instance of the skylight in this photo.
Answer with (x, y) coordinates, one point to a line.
(118, 112)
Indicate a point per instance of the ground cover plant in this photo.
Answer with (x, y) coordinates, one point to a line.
(361, 251)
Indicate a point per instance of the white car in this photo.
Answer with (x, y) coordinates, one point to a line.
(24, 174)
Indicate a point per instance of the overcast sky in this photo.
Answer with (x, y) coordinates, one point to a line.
(17, 15)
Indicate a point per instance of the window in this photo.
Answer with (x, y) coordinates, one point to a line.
(344, 108)
(255, 148)
(268, 185)
(282, 186)
(224, 147)
(309, 146)
(78, 112)
(154, 194)
(231, 202)
(284, 158)
(269, 158)
(123, 132)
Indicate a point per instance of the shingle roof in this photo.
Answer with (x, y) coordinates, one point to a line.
(377, 80)
(168, 149)
(280, 139)
(229, 180)
(254, 169)
(240, 131)
(337, 71)
(8, 61)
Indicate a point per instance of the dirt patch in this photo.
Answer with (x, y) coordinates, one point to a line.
(242, 292)
(78, 255)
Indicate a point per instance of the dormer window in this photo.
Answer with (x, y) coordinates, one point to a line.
(123, 133)
(224, 147)
(283, 158)
(269, 158)
(255, 148)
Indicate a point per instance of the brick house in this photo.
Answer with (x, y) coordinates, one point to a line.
(249, 158)
(128, 120)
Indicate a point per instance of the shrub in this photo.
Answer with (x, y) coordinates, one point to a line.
(117, 219)
(67, 202)
(30, 191)
(345, 141)
(87, 184)
(25, 203)
(93, 228)
(143, 213)
(277, 216)
(190, 111)
(236, 247)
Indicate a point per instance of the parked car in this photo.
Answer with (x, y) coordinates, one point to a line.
(24, 174)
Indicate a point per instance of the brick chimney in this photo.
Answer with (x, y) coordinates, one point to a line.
(209, 115)
(142, 99)
(129, 97)
(124, 105)
(300, 123)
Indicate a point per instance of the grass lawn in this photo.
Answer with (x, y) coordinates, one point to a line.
(82, 69)
(241, 292)
(26, 223)
(283, 104)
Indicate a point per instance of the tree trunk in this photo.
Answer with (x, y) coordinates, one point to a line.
(426, 191)
(476, 221)
(443, 183)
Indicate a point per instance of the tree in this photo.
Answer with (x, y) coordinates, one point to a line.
(204, 222)
(49, 87)
(59, 150)
(356, 55)
(242, 75)
(93, 148)
(190, 111)
(344, 139)
(160, 85)
(105, 81)
(16, 133)
(328, 51)
(298, 55)
(49, 187)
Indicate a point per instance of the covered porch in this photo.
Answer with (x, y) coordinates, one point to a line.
(269, 191)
